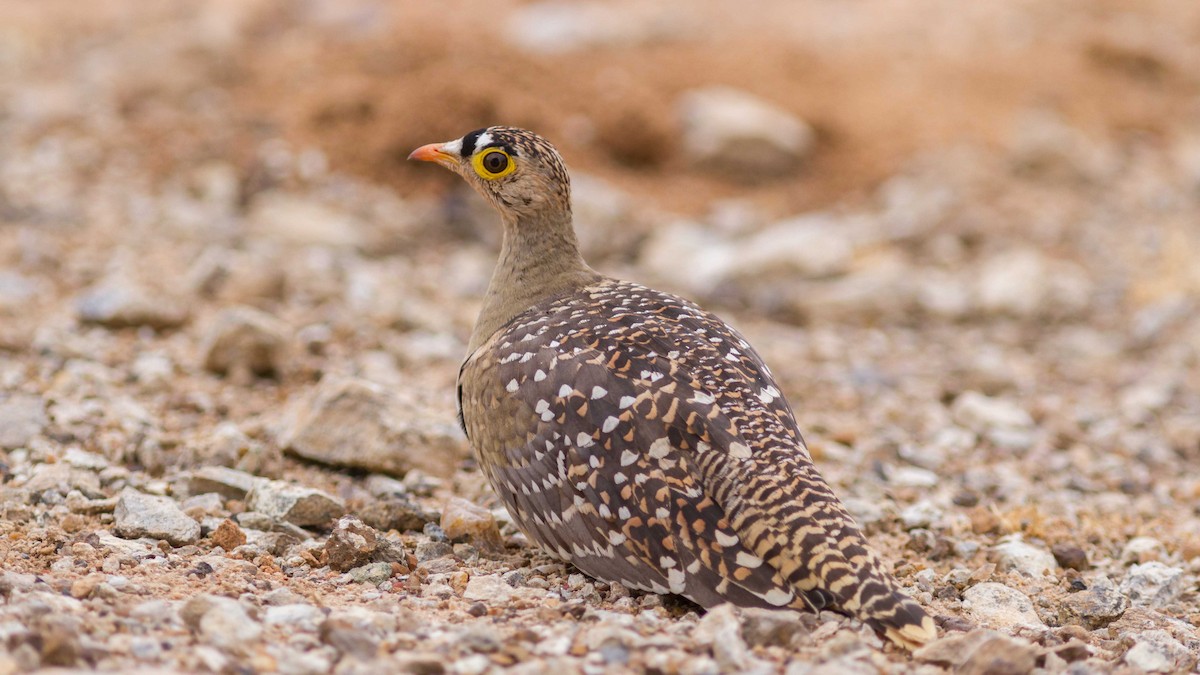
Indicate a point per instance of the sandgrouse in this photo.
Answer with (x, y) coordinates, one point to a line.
(637, 436)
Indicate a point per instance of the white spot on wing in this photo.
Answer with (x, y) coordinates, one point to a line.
(726, 540)
(677, 579)
(768, 394)
(628, 457)
(660, 448)
(583, 440)
(598, 392)
(777, 597)
(539, 375)
(626, 401)
(748, 560)
(739, 451)
(512, 385)
(609, 424)
(703, 398)
(564, 390)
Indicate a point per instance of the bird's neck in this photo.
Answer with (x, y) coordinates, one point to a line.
(539, 259)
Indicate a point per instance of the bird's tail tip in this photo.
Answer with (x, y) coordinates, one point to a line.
(911, 634)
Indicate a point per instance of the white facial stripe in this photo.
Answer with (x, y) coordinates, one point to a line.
(482, 142)
(454, 146)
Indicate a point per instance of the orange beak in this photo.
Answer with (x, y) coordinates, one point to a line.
(435, 152)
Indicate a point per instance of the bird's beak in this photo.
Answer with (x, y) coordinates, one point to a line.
(436, 152)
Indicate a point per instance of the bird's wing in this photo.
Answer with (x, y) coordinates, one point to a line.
(588, 444)
(579, 451)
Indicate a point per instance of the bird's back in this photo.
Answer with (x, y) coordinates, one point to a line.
(644, 440)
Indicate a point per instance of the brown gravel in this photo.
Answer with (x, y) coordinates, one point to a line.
(978, 290)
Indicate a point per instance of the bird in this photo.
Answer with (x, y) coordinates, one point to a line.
(636, 436)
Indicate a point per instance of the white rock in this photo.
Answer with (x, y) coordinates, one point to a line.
(1014, 554)
(809, 246)
(297, 616)
(1044, 143)
(1141, 550)
(17, 291)
(303, 221)
(1098, 606)
(720, 630)
(734, 132)
(912, 476)
(488, 588)
(1156, 651)
(141, 515)
(605, 218)
(229, 483)
(221, 622)
(22, 417)
(475, 664)
(1141, 401)
(82, 459)
(557, 27)
(289, 661)
(922, 514)
(295, 504)
(998, 606)
(980, 651)
(492, 588)
(982, 414)
(122, 547)
(118, 302)
(1024, 283)
(881, 285)
(942, 294)
(153, 369)
(1153, 584)
(355, 423)
(709, 254)
(243, 341)
(208, 503)
(864, 511)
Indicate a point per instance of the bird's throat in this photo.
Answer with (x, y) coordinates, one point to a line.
(539, 260)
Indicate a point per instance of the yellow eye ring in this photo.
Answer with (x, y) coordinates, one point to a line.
(493, 163)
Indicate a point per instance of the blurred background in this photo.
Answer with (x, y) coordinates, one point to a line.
(964, 235)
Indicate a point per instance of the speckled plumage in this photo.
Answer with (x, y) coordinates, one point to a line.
(643, 440)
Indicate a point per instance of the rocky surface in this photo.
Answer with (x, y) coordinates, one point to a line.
(231, 319)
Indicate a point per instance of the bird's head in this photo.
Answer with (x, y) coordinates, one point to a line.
(519, 172)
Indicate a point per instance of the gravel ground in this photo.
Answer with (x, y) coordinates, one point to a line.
(230, 327)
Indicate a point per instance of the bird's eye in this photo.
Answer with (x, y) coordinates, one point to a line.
(493, 163)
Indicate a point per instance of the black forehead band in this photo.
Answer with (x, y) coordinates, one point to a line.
(498, 141)
(468, 144)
